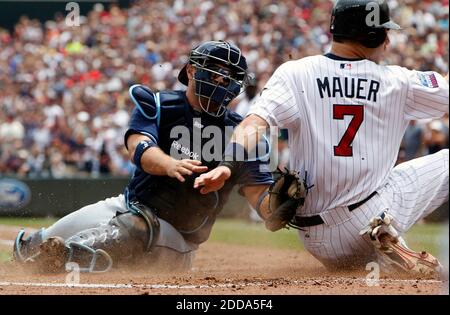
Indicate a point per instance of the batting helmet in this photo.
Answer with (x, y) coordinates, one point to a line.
(365, 21)
(212, 59)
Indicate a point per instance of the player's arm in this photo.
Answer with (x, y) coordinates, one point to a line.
(258, 197)
(245, 137)
(142, 138)
(428, 94)
(254, 181)
(250, 131)
(154, 161)
(275, 107)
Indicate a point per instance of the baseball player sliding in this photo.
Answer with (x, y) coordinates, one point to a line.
(346, 115)
(160, 219)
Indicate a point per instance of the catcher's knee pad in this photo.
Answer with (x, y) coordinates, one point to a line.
(123, 239)
(26, 249)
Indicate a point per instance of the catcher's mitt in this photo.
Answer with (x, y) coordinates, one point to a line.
(286, 194)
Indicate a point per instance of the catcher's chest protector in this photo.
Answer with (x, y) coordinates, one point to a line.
(180, 131)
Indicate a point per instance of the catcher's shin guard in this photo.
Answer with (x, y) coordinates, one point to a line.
(45, 256)
(393, 254)
(125, 238)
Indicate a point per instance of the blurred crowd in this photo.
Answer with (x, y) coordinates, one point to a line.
(64, 102)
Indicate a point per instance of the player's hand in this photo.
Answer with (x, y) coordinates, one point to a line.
(213, 180)
(180, 168)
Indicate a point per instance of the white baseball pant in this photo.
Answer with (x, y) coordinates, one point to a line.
(413, 190)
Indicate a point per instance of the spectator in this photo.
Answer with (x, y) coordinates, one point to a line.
(66, 89)
(437, 136)
(245, 100)
(413, 141)
(11, 129)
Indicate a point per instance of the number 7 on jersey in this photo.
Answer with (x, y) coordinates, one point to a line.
(344, 148)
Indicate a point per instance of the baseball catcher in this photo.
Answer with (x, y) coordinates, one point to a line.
(160, 217)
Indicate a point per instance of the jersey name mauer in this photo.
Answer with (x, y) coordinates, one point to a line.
(359, 88)
(346, 120)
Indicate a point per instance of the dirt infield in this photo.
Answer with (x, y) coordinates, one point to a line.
(218, 269)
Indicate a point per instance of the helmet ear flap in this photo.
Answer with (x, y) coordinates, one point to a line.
(374, 38)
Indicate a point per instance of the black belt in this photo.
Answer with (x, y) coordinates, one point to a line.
(316, 219)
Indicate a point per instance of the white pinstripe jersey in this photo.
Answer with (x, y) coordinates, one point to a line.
(346, 120)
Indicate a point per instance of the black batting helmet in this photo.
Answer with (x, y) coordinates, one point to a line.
(365, 21)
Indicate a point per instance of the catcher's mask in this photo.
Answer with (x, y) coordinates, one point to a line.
(220, 76)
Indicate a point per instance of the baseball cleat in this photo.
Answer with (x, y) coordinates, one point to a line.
(396, 256)
(393, 253)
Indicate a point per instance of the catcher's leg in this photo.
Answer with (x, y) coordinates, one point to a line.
(25, 250)
(171, 251)
(124, 238)
(87, 217)
(128, 239)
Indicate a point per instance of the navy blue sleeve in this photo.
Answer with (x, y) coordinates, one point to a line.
(254, 173)
(145, 116)
(139, 124)
(256, 170)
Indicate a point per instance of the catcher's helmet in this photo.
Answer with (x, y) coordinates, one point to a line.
(365, 21)
(212, 59)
